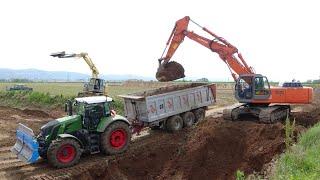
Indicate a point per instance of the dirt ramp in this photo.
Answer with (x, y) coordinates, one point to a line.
(218, 148)
(215, 149)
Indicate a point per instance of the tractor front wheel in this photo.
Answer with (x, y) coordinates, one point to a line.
(64, 152)
(116, 138)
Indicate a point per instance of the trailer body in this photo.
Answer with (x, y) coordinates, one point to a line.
(155, 106)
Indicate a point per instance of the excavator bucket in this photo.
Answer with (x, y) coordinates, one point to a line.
(170, 71)
(26, 147)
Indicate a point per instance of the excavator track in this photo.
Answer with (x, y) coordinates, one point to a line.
(274, 114)
(268, 114)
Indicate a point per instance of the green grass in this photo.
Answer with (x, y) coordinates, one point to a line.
(54, 95)
(301, 161)
(71, 89)
(36, 99)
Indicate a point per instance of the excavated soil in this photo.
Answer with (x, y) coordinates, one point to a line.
(11, 117)
(212, 149)
(170, 71)
(167, 89)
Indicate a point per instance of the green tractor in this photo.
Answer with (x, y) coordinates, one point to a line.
(90, 127)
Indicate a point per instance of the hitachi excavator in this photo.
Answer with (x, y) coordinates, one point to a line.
(96, 86)
(252, 90)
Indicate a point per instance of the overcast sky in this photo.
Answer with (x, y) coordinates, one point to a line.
(280, 39)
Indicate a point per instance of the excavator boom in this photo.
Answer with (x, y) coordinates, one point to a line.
(86, 58)
(226, 51)
(251, 89)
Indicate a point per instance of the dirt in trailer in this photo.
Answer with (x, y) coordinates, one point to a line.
(212, 149)
(167, 89)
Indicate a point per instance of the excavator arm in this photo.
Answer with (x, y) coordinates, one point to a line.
(86, 58)
(226, 51)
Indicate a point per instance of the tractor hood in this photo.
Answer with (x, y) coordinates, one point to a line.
(46, 129)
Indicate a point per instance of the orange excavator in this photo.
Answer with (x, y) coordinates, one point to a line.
(252, 90)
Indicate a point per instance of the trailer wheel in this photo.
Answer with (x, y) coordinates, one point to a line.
(199, 114)
(188, 119)
(116, 138)
(64, 152)
(174, 123)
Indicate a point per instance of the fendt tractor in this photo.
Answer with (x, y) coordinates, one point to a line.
(91, 126)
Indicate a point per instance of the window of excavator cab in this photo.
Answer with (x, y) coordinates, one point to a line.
(261, 86)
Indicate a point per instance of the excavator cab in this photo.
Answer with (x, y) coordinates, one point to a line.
(95, 85)
(250, 87)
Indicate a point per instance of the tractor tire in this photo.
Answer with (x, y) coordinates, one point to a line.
(64, 153)
(174, 123)
(116, 138)
(188, 119)
(200, 114)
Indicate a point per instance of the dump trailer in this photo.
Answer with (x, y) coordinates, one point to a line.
(172, 107)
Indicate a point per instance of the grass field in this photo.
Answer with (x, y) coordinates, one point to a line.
(71, 89)
(224, 96)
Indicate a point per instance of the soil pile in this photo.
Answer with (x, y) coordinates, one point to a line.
(213, 150)
(170, 72)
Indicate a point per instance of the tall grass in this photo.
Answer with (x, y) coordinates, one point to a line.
(22, 98)
(302, 161)
(289, 132)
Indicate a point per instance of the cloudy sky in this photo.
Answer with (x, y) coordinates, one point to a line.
(280, 39)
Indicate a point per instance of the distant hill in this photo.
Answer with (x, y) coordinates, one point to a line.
(41, 75)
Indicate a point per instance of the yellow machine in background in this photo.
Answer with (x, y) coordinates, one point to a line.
(96, 86)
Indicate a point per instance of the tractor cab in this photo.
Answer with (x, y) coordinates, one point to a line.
(251, 87)
(93, 109)
(100, 105)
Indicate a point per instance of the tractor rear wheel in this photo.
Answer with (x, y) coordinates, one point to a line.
(174, 123)
(64, 153)
(188, 119)
(116, 138)
(200, 114)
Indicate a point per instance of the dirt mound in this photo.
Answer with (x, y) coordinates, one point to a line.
(217, 151)
(167, 89)
(35, 112)
(214, 149)
(170, 72)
